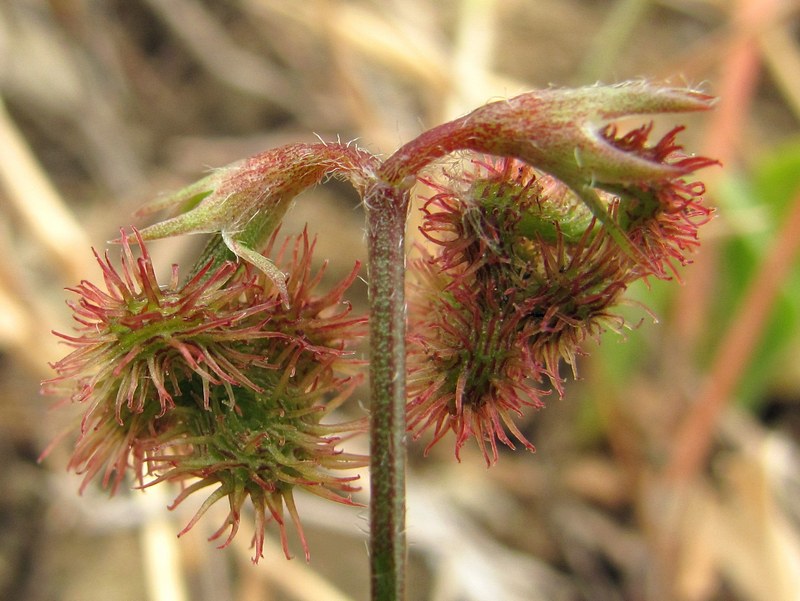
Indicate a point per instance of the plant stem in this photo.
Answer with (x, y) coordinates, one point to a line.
(386, 217)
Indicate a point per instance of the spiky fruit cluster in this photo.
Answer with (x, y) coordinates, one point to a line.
(521, 272)
(214, 383)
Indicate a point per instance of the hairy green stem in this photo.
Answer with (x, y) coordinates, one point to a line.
(386, 217)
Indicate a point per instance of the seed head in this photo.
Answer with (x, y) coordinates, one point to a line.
(522, 272)
(469, 366)
(215, 379)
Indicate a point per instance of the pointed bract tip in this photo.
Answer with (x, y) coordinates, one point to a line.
(642, 98)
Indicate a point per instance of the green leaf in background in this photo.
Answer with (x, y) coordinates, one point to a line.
(753, 209)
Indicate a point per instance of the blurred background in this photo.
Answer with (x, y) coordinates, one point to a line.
(668, 472)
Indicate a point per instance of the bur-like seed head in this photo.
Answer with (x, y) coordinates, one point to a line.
(214, 379)
(523, 271)
(470, 371)
(138, 344)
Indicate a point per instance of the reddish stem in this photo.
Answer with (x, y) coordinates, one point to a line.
(694, 438)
